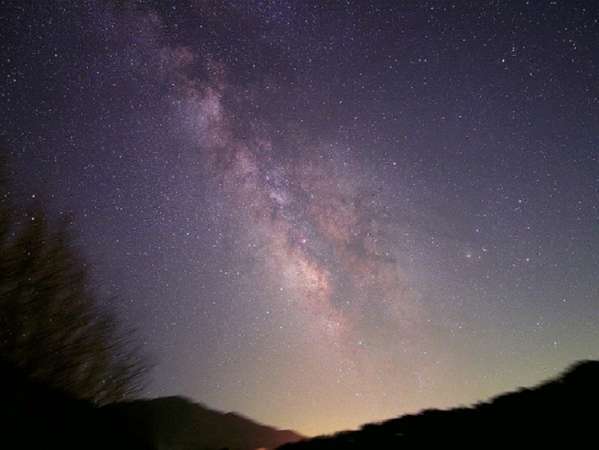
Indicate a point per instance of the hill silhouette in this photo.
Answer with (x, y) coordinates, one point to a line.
(36, 415)
(563, 410)
(178, 423)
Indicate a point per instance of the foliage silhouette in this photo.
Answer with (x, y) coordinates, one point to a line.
(52, 324)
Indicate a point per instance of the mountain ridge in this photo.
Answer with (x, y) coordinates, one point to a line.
(178, 422)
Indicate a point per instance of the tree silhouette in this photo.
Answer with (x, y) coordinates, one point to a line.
(52, 324)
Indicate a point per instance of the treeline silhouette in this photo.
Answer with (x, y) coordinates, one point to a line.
(562, 411)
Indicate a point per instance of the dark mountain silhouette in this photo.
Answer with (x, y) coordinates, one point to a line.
(561, 411)
(35, 415)
(177, 423)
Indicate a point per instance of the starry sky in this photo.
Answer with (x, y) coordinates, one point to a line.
(320, 214)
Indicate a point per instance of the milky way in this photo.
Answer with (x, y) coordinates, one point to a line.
(313, 221)
(320, 215)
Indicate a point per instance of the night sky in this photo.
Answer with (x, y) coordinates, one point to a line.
(320, 214)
